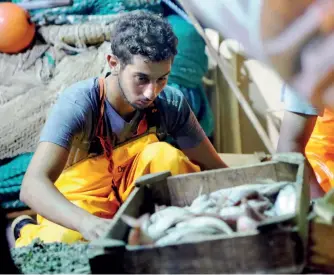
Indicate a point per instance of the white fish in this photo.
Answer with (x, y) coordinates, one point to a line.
(206, 222)
(211, 210)
(201, 207)
(252, 212)
(199, 200)
(167, 212)
(260, 205)
(232, 212)
(246, 224)
(272, 187)
(286, 201)
(176, 234)
(230, 196)
(166, 218)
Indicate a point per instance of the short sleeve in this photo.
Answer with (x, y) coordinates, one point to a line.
(69, 116)
(293, 102)
(181, 122)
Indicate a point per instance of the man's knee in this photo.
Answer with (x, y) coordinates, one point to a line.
(161, 151)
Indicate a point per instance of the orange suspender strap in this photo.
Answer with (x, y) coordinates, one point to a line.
(105, 141)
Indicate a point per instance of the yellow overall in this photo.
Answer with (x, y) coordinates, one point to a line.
(91, 183)
(320, 150)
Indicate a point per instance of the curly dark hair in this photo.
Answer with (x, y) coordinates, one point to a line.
(143, 33)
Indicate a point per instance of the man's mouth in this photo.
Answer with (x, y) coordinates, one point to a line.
(144, 102)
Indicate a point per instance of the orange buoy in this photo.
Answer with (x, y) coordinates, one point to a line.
(16, 30)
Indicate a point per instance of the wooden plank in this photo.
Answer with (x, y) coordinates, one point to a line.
(134, 207)
(321, 242)
(286, 171)
(152, 178)
(234, 160)
(265, 253)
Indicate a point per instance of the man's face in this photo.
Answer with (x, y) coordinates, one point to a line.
(141, 81)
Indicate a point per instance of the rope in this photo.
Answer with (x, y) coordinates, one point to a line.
(80, 36)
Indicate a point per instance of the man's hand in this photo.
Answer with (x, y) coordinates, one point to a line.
(205, 155)
(93, 227)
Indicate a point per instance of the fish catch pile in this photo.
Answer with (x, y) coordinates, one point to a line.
(223, 212)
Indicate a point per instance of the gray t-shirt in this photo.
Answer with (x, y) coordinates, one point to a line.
(293, 102)
(75, 113)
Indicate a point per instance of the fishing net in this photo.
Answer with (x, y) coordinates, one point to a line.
(26, 112)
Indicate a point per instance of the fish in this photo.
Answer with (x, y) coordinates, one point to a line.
(166, 218)
(246, 224)
(176, 234)
(199, 200)
(223, 212)
(206, 222)
(286, 201)
(233, 195)
(253, 213)
(169, 211)
(137, 235)
(260, 205)
(201, 207)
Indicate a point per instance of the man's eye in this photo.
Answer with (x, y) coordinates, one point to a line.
(141, 79)
(162, 79)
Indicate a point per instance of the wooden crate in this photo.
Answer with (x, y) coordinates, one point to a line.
(320, 250)
(276, 249)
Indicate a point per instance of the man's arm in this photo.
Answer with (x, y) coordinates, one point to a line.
(205, 155)
(295, 132)
(38, 190)
(67, 119)
(188, 133)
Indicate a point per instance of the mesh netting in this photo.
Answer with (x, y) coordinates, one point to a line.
(25, 99)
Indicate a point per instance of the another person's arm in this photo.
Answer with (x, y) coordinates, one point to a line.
(38, 191)
(295, 132)
(297, 126)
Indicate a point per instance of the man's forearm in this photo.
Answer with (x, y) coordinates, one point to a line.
(43, 197)
(315, 189)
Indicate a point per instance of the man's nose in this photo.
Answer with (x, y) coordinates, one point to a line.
(150, 91)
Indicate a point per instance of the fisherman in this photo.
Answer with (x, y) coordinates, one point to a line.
(104, 133)
(310, 131)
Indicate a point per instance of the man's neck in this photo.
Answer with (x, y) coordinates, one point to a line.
(115, 98)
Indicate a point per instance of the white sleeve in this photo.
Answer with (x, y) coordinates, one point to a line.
(234, 19)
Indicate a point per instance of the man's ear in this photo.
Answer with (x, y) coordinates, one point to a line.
(114, 64)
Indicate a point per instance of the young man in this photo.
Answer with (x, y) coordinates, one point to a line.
(309, 130)
(125, 115)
